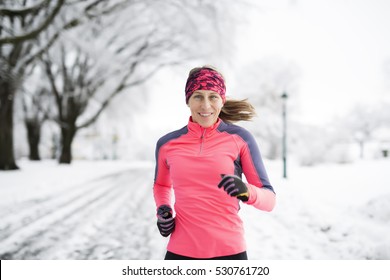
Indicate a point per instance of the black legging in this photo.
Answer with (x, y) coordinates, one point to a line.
(173, 256)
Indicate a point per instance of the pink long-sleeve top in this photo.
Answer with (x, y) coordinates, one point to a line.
(190, 161)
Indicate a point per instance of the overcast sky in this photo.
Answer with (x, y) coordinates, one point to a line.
(340, 46)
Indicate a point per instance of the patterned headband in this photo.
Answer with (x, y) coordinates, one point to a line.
(205, 79)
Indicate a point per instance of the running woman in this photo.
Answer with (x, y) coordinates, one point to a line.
(200, 167)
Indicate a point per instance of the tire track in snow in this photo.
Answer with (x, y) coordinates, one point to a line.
(137, 227)
(37, 208)
(132, 234)
(34, 238)
(104, 239)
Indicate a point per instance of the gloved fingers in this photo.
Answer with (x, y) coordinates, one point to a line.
(227, 179)
(165, 221)
(229, 185)
(230, 188)
(165, 232)
(166, 227)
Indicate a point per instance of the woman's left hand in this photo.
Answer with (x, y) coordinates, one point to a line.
(234, 186)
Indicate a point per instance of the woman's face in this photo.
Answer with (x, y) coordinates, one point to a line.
(205, 106)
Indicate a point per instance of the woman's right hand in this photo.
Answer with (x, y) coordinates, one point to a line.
(165, 220)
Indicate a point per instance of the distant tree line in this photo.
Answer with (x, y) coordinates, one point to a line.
(308, 144)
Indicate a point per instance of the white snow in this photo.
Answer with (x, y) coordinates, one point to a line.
(105, 210)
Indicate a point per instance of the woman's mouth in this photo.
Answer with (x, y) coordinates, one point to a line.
(205, 115)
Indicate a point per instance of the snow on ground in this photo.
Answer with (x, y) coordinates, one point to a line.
(105, 210)
(326, 212)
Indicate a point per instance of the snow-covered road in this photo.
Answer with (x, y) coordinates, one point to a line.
(105, 218)
(105, 210)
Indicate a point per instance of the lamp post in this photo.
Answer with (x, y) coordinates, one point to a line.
(284, 140)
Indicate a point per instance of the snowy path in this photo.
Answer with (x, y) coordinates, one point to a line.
(105, 210)
(325, 212)
(106, 218)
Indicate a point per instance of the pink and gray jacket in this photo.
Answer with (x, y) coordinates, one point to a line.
(190, 161)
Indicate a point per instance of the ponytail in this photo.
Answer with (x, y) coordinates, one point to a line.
(237, 110)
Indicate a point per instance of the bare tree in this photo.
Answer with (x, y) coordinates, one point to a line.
(7, 90)
(362, 121)
(73, 87)
(28, 29)
(20, 23)
(36, 109)
(95, 62)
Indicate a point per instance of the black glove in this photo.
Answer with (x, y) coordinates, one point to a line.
(165, 220)
(234, 186)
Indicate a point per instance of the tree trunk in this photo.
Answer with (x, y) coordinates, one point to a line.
(67, 136)
(33, 135)
(7, 92)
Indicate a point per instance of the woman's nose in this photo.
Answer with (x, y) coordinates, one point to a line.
(205, 103)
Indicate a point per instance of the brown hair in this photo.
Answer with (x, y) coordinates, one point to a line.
(237, 110)
(233, 110)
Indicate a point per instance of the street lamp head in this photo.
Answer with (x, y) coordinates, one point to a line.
(284, 95)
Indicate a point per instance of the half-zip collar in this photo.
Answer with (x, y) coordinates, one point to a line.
(202, 132)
